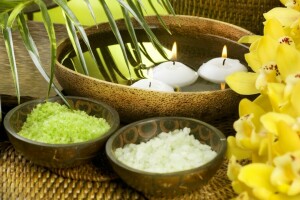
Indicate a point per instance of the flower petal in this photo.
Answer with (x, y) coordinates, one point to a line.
(295, 98)
(274, 29)
(243, 82)
(275, 92)
(234, 150)
(247, 107)
(288, 139)
(264, 102)
(249, 39)
(233, 168)
(267, 49)
(295, 187)
(288, 60)
(286, 16)
(257, 175)
(253, 61)
(271, 119)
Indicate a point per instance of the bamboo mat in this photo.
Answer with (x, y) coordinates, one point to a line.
(21, 179)
(244, 13)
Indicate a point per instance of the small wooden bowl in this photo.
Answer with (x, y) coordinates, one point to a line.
(173, 183)
(60, 155)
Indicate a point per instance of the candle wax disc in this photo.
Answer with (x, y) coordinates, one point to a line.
(151, 84)
(216, 72)
(175, 74)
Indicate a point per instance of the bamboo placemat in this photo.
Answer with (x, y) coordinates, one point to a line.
(21, 179)
(246, 13)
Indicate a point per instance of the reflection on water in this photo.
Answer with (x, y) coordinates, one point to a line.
(111, 65)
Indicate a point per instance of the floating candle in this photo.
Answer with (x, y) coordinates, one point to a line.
(217, 69)
(152, 84)
(174, 73)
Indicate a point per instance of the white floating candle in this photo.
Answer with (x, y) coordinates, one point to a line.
(152, 84)
(174, 73)
(216, 70)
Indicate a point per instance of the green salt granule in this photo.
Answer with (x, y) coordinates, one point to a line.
(54, 123)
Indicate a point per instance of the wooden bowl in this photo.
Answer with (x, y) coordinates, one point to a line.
(60, 155)
(172, 183)
(198, 40)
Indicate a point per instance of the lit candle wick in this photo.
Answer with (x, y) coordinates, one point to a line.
(150, 84)
(173, 72)
(214, 72)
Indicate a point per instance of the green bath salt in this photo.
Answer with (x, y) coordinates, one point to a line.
(54, 123)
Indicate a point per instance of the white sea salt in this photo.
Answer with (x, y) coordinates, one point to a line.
(167, 152)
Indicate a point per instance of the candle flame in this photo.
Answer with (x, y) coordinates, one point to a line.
(174, 52)
(224, 52)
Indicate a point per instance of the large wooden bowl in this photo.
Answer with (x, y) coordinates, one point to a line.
(198, 39)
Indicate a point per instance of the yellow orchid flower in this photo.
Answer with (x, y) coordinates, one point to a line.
(268, 130)
(286, 16)
(263, 50)
(246, 136)
(262, 59)
(249, 137)
(285, 97)
(272, 28)
(233, 172)
(294, 4)
(285, 176)
(284, 130)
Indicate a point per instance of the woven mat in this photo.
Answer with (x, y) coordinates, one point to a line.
(246, 13)
(21, 179)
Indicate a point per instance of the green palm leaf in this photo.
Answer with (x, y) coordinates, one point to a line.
(16, 11)
(158, 16)
(33, 53)
(167, 5)
(76, 45)
(132, 34)
(51, 34)
(91, 10)
(134, 11)
(73, 25)
(11, 55)
(8, 5)
(116, 32)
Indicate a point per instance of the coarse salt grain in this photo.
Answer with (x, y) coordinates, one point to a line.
(167, 152)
